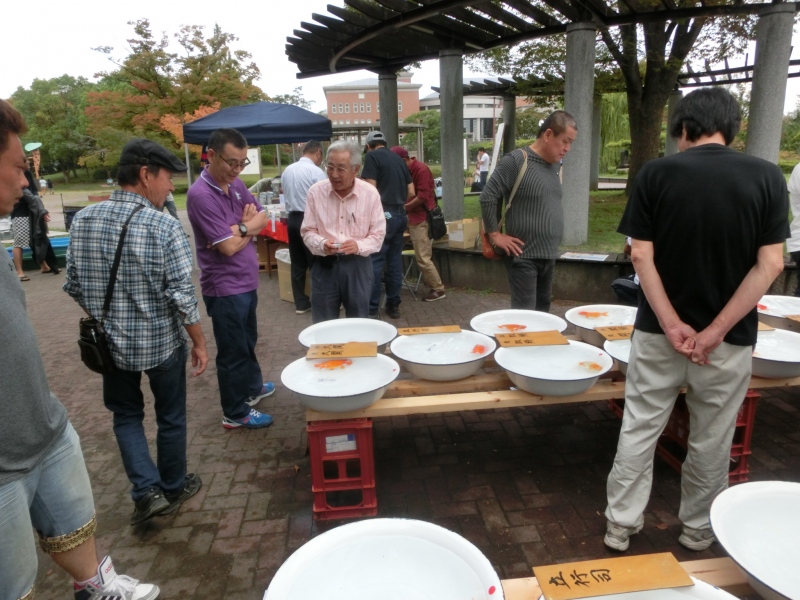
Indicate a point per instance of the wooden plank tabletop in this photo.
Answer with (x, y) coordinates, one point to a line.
(720, 572)
(489, 390)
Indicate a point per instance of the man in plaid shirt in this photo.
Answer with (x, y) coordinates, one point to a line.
(153, 303)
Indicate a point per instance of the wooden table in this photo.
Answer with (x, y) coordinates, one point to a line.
(720, 572)
(489, 390)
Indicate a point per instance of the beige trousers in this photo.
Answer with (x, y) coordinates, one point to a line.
(714, 394)
(423, 253)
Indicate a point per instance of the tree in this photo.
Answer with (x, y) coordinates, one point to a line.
(646, 59)
(430, 135)
(54, 112)
(296, 98)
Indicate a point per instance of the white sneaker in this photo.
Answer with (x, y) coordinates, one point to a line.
(116, 587)
(696, 539)
(618, 537)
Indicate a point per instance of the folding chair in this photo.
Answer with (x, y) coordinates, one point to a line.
(412, 264)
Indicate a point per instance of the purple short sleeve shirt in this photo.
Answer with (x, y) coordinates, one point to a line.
(211, 213)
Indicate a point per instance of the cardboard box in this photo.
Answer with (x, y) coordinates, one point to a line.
(285, 281)
(462, 234)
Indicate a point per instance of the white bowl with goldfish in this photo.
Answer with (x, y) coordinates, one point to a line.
(443, 356)
(586, 318)
(516, 321)
(562, 370)
(342, 384)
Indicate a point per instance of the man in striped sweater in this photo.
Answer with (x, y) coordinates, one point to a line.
(535, 221)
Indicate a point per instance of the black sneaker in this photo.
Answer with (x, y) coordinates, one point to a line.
(152, 504)
(393, 312)
(191, 485)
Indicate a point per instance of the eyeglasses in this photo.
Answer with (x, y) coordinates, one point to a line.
(233, 163)
(332, 168)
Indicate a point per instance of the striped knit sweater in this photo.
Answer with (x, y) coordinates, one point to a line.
(536, 216)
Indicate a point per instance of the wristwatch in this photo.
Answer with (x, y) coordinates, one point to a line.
(242, 229)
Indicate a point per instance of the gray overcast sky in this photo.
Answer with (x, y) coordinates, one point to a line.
(53, 37)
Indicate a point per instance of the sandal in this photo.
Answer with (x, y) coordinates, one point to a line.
(24, 278)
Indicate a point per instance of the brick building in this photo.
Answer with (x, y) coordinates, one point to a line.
(357, 103)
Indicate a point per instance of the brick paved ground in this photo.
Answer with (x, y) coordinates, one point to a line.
(525, 485)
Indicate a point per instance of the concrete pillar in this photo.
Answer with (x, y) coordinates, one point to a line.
(578, 94)
(510, 120)
(671, 144)
(597, 115)
(773, 47)
(451, 95)
(387, 96)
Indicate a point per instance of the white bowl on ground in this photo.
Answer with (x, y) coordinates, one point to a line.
(340, 385)
(758, 524)
(516, 321)
(586, 318)
(620, 350)
(443, 356)
(554, 370)
(777, 354)
(772, 311)
(341, 331)
(386, 559)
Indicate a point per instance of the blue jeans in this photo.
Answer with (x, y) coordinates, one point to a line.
(122, 395)
(55, 498)
(236, 333)
(390, 256)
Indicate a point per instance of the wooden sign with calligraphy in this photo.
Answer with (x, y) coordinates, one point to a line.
(793, 317)
(437, 329)
(615, 332)
(348, 350)
(764, 327)
(531, 338)
(611, 576)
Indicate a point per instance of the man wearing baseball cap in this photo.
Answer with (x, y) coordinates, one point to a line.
(387, 172)
(152, 304)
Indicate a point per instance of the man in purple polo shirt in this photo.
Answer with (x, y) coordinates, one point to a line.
(225, 217)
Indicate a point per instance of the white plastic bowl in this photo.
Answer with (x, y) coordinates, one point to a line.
(772, 311)
(341, 331)
(599, 315)
(386, 559)
(502, 321)
(554, 370)
(777, 354)
(620, 350)
(352, 386)
(443, 356)
(758, 524)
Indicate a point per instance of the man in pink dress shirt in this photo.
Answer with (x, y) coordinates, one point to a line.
(343, 224)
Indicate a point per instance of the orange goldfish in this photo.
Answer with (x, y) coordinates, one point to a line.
(761, 307)
(592, 315)
(592, 366)
(478, 349)
(512, 327)
(330, 365)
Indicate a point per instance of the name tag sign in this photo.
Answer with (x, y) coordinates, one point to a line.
(420, 330)
(615, 332)
(764, 327)
(611, 576)
(531, 338)
(348, 350)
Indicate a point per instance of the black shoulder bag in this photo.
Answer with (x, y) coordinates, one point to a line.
(93, 340)
(437, 228)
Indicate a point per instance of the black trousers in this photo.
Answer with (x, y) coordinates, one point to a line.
(336, 281)
(302, 259)
(531, 282)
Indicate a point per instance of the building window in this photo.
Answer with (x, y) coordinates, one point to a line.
(369, 107)
(399, 107)
(361, 96)
(355, 107)
(369, 121)
(377, 107)
(348, 121)
(487, 129)
(333, 109)
(362, 107)
(347, 107)
(341, 110)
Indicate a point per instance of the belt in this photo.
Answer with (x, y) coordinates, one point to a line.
(397, 209)
(330, 260)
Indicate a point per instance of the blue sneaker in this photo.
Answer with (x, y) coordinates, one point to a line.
(254, 420)
(266, 390)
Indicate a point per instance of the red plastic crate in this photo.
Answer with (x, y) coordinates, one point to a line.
(673, 442)
(342, 469)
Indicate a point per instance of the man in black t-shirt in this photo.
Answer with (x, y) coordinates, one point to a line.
(387, 172)
(708, 226)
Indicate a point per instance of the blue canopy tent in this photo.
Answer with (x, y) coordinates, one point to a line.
(261, 123)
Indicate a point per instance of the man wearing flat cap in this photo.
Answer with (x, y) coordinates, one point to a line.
(153, 302)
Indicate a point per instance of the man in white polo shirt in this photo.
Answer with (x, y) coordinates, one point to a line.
(296, 180)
